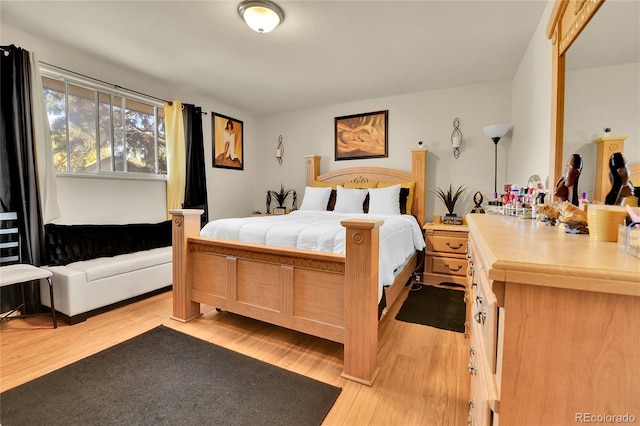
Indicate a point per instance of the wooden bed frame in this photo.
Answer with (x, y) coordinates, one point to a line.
(298, 289)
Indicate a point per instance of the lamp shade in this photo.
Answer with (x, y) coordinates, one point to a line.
(261, 15)
(496, 131)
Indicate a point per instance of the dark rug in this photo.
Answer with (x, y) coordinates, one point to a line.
(438, 307)
(164, 377)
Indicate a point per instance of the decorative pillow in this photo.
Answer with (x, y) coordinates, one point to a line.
(323, 184)
(404, 197)
(350, 200)
(406, 194)
(332, 200)
(315, 198)
(360, 185)
(385, 200)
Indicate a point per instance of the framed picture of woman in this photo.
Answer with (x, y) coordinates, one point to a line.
(361, 135)
(227, 143)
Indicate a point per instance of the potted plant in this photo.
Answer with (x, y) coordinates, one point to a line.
(280, 197)
(450, 198)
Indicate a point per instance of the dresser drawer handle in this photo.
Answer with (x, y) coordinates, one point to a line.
(451, 246)
(473, 369)
(453, 269)
(472, 405)
(481, 317)
(479, 298)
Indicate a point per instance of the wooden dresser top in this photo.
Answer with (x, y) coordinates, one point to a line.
(528, 252)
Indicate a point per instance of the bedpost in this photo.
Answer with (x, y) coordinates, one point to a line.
(313, 168)
(185, 224)
(419, 172)
(361, 300)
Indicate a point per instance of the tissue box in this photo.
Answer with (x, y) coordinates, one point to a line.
(629, 239)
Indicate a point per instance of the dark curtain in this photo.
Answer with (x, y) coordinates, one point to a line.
(19, 186)
(195, 194)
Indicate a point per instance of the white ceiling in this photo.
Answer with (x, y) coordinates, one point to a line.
(325, 52)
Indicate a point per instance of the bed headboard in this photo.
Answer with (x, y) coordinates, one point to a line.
(634, 172)
(418, 174)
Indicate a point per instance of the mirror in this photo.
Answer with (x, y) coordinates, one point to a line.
(593, 99)
(601, 86)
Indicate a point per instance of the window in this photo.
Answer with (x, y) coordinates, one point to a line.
(100, 131)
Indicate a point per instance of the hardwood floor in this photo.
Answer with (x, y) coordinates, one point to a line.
(422, 379)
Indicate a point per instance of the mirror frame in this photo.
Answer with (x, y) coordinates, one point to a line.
(568, 19)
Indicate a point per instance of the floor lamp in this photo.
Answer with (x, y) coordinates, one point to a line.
(495, 132)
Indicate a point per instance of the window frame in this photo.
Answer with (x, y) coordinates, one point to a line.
(68, 77)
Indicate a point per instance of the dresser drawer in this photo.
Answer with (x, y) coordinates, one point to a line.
(484, 316)
(484, 399)
(455, 242)
(449, 266)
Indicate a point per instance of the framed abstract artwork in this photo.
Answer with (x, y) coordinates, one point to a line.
(227, 133)
(361, 136)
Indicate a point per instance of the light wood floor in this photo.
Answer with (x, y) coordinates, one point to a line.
(422, 380)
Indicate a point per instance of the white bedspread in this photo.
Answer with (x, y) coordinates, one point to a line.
(400, 235)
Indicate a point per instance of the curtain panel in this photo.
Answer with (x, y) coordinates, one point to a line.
(18, 168)
(195, 195)
(176, 162)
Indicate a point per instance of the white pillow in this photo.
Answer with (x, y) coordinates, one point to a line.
(350, 200)
(315, 198)
(385, 200)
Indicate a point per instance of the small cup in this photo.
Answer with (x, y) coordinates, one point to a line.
(437, 219)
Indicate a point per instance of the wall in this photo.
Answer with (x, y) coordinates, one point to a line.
(531, 106)
(424, 116)
(93, 200)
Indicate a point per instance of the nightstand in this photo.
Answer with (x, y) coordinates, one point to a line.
(445, 255)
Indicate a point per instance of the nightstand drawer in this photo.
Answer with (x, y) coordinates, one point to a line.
(448, 243)
(448, 266)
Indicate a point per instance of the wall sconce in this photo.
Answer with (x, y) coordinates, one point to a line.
(280, 150)
(261, 15)
(495, 132)
(456, 138)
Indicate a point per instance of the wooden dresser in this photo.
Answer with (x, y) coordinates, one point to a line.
(445, 257)
(555, 335)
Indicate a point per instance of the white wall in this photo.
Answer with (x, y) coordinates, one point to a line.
(531, 106)
(424, 116)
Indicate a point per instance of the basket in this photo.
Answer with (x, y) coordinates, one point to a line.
(603, 222)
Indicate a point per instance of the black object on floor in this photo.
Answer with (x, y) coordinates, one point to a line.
(438, 307)
(164, 377)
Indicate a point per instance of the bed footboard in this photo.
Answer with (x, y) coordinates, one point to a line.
(328, 295)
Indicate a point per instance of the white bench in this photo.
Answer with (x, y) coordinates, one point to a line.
(89, 286)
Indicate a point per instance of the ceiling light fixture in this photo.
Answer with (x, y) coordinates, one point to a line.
(261, 15)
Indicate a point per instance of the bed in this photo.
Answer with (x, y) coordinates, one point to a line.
(301, 289)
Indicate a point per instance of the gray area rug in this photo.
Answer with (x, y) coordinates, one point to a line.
(164, 377)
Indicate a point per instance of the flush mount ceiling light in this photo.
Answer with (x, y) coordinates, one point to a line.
(261, 15)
